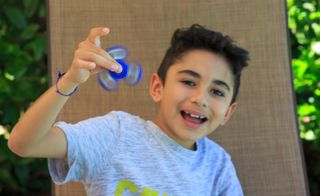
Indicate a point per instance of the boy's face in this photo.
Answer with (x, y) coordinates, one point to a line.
(196, 96)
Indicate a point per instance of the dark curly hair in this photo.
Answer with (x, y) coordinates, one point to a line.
(198, 37)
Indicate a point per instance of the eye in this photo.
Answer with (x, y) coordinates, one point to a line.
(188, 82)
(216, 92)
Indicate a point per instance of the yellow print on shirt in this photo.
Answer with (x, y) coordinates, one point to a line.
(126, 184)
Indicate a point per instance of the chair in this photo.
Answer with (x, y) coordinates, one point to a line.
(262, 136)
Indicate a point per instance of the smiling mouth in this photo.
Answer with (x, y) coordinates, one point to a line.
(193, 118)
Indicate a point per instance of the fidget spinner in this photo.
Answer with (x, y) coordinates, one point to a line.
(131, 72)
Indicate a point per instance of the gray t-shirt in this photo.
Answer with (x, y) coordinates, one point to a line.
(121, 154)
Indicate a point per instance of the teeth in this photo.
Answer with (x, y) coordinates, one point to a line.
(195, 116)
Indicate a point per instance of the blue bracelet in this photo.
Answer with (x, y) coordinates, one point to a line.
(57, 90)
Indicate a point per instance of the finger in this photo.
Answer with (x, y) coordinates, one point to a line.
(96, 33)
(90, 66)
(98, 60)
(91, 47)
(96, 70)
(85, 64)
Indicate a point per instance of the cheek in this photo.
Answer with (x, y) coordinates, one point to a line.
(218, 109)
(170, 99)
(175, 94)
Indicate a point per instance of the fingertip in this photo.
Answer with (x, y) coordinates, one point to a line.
(92, 65)
(105, 30)
(119, 70)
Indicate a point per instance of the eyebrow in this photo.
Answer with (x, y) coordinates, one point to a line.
(197, 75)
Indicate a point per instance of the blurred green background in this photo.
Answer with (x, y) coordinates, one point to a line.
(304, 27)
(24, 77)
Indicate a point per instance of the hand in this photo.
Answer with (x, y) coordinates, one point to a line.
(90, 58)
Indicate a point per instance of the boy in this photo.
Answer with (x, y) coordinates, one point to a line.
(121, 154)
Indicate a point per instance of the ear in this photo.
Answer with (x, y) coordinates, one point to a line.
(155, 88)
(232, 108)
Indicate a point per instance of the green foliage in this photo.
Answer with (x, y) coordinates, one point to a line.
(304, 25)
(23, 77)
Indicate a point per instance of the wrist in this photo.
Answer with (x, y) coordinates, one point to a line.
(67, 79)
(64, 86)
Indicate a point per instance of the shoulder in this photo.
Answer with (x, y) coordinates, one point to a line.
(122, 115)
(107, 125)
(225, 171)
(113, 119)
(128, 125)
(215, 155)
(211, 148)
(123, 119)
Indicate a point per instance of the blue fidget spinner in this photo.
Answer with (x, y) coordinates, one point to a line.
(131, 73)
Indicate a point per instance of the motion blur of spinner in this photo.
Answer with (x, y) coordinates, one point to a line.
(131, 72)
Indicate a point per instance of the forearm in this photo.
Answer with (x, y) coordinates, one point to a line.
(34, 135)
(37, 121)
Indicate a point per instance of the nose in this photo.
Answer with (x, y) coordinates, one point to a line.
(199, 97)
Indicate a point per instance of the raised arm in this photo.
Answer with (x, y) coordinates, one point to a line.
(33, 135)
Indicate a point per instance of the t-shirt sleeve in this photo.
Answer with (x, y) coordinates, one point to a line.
(90, 145)
(229, 183)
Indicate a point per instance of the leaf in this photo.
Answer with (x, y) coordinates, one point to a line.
(25, 161)
(42, 11)
(29, 32)
(17, 71)
(10, 114)
(3, 157)
(4, 86)
(309, 6)
(15, 16)
(38, 47)
(299, 68)
(5, 176)
(22, 172)
(30, 7)
(306, 109)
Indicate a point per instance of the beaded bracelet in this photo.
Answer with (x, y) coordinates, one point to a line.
(57, 90)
